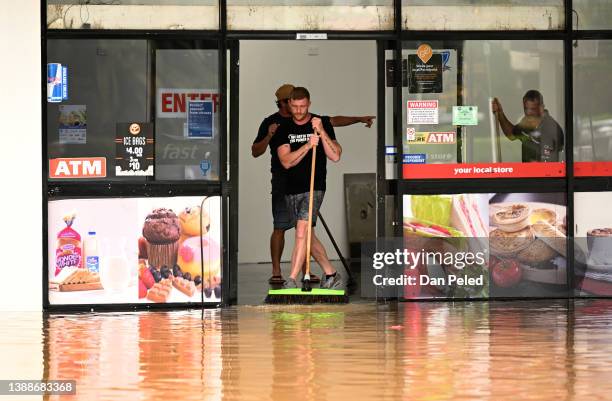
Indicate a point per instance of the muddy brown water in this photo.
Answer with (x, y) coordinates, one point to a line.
(544, 350)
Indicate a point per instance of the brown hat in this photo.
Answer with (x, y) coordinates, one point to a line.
(284, 92)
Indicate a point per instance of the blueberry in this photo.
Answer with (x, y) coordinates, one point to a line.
(156, 276)
(176, 271)
(176, 267)
(218, 291)
(165, 273)
(164, 268)
(208, 292)
(197, 280)
(187, 276)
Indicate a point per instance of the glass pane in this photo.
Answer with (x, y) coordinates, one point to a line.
(593, 243)
(108, 83)
(115, 250)
(592, 114)
(592, 14)
(187, 114)
(472, 15)
(133, 14)
(310, 15)
(451, 129)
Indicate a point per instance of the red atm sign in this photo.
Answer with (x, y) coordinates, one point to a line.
(82, 167)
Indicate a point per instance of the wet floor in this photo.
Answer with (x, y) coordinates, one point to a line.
(544, 350)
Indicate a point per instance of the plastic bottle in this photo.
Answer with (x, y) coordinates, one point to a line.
(92, 256)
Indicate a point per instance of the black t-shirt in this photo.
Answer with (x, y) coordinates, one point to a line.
(542, 144)
(298, 176)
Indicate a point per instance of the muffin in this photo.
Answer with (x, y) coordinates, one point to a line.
(162, 232)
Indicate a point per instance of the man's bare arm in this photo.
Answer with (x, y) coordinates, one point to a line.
(288, 158)
(506, 126)
(343, 121)
(332, 148)
(259, 148)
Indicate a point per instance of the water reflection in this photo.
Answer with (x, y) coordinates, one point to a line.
(411, 351)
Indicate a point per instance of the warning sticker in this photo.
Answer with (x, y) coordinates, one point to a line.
(422, 111)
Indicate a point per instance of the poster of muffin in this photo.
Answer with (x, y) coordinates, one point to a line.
(593, 243)
(528, 244)
(134, 250)
(447, 238)
(179, 252)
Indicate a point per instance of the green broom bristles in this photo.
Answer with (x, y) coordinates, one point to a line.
(297, 296)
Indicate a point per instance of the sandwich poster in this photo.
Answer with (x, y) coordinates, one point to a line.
(134, 250)
(593, 244)
(502, 245)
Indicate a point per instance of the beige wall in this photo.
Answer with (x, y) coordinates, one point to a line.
(20, 162)
(341, 77)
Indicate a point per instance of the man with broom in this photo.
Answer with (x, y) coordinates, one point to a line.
(265, 134)
(295, 142)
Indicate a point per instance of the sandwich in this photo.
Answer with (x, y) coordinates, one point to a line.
(466, 217)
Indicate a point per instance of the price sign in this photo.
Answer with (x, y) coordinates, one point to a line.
(134, 149)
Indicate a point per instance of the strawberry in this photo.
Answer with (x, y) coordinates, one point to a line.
(142, 289)
(147, 279)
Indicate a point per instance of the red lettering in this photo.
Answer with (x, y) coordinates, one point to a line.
(165, 106)
(179, 103)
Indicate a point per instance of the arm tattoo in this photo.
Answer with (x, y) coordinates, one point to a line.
(331, 145)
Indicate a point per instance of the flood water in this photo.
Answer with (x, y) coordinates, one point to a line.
(531, 350)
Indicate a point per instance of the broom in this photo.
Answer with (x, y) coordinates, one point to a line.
(307, 294)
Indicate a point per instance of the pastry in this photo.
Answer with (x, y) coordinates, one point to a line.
(160, 291)
(161, 230)
(190, 258)
(76, 279)
(551, 236)
(187, 287)
(536, 252)
(505, 243)
(512, 218)
(546, 215)
(189, 220)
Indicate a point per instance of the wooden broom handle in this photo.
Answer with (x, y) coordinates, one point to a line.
(310, 201)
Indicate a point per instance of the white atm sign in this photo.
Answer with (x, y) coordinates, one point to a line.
(82, 167)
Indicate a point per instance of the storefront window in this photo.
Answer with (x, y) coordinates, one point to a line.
(485, 245)
(108, 84)
(483, 109)
(310, 15)
(108, 119)
(133, 14)
(592, 113)
(593, 243)
(592, 14)
(472, 15)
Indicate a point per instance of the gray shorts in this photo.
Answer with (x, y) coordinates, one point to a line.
(298, 206)
(280, 214)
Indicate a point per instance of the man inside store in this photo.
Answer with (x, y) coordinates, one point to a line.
(294, 143)
(280, 214)
(541, 136)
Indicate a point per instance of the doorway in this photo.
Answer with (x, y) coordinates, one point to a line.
(342, 79)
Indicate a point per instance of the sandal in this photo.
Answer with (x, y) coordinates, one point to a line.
(276, 280)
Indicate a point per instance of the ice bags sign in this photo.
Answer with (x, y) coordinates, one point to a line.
(134, 149)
